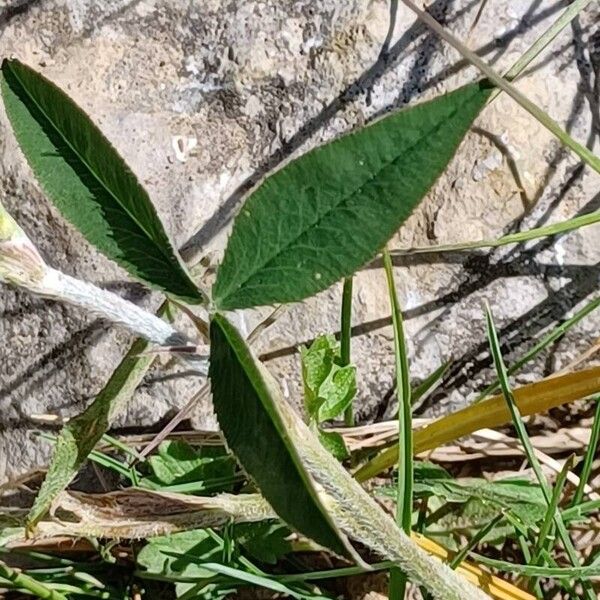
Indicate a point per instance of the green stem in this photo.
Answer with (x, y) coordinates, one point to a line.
(544, 540)
(405, 464)
(512, 238)
(589, 456)
(22, 581)
(346, 338)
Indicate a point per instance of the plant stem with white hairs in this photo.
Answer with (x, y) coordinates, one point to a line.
(22, 265)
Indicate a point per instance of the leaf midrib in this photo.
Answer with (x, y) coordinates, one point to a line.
(336, 206)
(92, 171)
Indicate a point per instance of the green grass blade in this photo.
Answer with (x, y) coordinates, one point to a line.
(404, 500)
(329, 212)
(544, 541)
(545, 39)
(534, 110)
(89, 182)
(346, 339)
(405, 461)
(430, 383)
(261, 581)
(578, 512)
(478, 537)
(528, 447)
(548, 339)
(580, 573)
(512, 238)
(590, 454)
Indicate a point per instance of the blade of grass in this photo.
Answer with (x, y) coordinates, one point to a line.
(478, 537)
(534, 110)
(346, 339)
(544, 40)
(581, 510)
(430, 383)
(461, 556)
(512, 238)
(524, 546)
(22, 581)
(544, 541)
(548, 339)
(540, 571)
(405, 458)
(260, 580)
(532, 399)
(529, 451)
(113, 442)
(590, 454)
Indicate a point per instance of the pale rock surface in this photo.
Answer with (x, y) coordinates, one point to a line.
(201, 96)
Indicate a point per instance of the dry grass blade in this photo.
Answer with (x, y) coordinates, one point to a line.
(491, 585)
(531, 399)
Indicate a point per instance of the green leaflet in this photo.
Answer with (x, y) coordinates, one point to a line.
(180, 556)
(328, 388)
(246, 401)
(81, 434)
(266, 541)
(330, 211)
(304, 484)
(89, 182)
(334, 442)
(177, 462)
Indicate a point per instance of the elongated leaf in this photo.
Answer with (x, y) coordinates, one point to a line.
(327, 213)
(243, 397)
(305, 485)
(89, 182)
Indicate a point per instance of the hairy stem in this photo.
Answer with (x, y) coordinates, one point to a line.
(22, 265)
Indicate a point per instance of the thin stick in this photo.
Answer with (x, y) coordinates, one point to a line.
(507, 87)
(346, 339)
